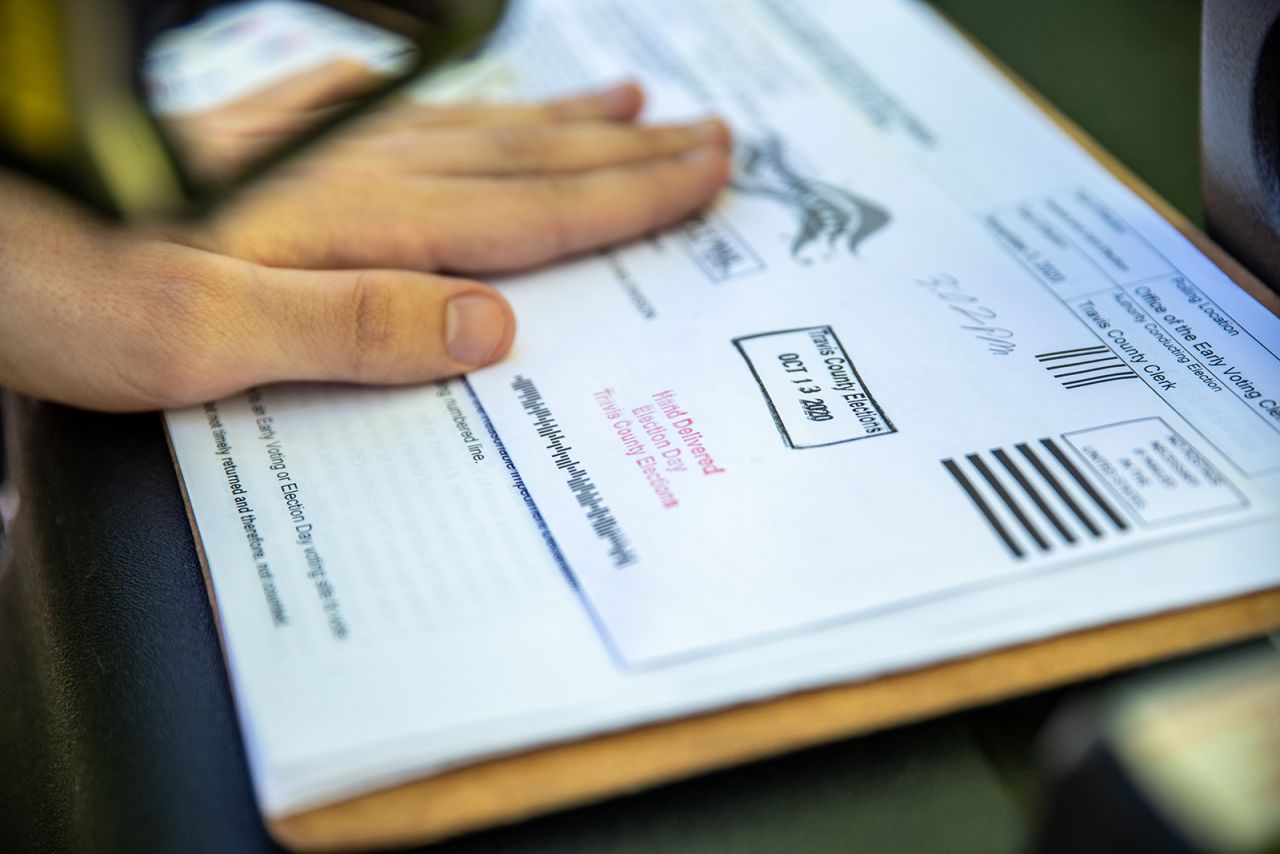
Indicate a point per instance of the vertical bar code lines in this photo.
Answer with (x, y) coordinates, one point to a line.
(983, 507)
(1036, 498)
(1099, 356)
(999, 489)
(1058, 488)
(1047, 481)
(1088, 487)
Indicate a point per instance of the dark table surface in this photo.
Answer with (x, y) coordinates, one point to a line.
(117, 731)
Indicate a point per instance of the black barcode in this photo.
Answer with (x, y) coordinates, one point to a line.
(1086, 366)
(1034, 497)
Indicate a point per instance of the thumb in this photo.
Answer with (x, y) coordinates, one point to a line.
(364, 326)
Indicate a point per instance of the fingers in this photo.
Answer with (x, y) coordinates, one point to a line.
(529, 222)
(477, 198)
(467, 225)
(620, 103)
(515, 149)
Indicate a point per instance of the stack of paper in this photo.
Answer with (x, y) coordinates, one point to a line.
(925, 382)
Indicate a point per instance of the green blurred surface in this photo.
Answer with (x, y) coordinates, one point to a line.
(1127, 72)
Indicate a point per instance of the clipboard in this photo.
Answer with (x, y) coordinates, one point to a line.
(548, 779)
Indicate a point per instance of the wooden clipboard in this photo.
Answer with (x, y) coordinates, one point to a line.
(539, 781)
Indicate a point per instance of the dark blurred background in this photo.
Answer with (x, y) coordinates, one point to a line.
(1124, 70)
(1127, 71)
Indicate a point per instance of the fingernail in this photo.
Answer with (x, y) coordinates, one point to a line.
(712, 130)
(475, 326)
(619, 97)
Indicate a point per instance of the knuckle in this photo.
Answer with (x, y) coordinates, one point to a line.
(368, 321)
(660, 140)
(181, 377)
(521, 146)
(169, 356)
(555, 208)
(672, 193)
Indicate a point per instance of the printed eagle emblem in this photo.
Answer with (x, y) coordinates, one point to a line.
(829, 215)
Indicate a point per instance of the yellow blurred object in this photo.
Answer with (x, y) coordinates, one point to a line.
(77, 112)
(36, 114)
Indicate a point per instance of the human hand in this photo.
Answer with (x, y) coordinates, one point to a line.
(100, 317)
(475, 189)
(106, 318)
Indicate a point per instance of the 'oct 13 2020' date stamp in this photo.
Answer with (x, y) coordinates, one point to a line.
(812, 388)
